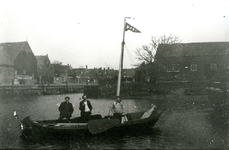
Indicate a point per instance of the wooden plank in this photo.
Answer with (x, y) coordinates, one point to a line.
(70, 124)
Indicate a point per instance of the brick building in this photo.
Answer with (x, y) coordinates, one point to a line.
(193, 61)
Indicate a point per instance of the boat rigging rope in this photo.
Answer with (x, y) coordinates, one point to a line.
(129, 55)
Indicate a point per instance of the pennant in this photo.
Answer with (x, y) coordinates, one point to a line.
(131, 28)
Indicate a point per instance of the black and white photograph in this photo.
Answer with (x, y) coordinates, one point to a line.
(106, 74)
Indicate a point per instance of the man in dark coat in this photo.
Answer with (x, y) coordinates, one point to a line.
(66, 109)
(85, 108)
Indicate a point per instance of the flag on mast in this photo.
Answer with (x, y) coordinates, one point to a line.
(131, 28)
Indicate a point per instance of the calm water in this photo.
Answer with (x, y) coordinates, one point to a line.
(187, 122)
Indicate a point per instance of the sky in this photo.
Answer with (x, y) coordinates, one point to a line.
(90, 32)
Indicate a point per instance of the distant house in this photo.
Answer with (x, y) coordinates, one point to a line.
(128, 75)
(60, 72)
(193, 61)
(106, 73)
(23, 59)
(6, 68)
(77, 75)
(94, 74)
(82, 75)
(145, 73)
(44, 69)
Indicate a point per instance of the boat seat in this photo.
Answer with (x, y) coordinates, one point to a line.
(64, 120)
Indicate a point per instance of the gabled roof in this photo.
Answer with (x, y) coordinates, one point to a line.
(42, 60)
(5, 58)
(193, 49)
(14, 48)
(61, 68)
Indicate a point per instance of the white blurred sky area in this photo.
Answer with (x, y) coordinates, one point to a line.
(89, 32)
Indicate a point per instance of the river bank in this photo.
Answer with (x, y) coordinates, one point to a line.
(42, 89)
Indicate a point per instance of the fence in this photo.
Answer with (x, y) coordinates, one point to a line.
(40, 89)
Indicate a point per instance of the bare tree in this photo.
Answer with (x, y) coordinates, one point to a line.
(147, 52)
(55, 67)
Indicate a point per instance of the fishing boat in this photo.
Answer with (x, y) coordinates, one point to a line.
(97, 124)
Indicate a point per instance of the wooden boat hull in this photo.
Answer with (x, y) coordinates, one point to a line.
(33, 129)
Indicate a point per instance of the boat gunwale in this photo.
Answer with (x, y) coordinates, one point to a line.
(57, 125)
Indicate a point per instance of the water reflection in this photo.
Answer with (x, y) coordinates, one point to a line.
(133, 140)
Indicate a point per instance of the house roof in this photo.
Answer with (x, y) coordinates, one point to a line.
(145, 66)
(129, 72)
(13, 48)
(5, 58)
(42, 60)
(62, 68)
(76, 69)
(193, 49)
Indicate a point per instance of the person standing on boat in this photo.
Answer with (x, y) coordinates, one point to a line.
(85, 108)
(117, 108)
(66, 109)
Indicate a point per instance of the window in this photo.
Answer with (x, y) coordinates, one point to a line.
(193, 67)
(173, 68)
(176, 68)
(213, 67)
(24, 71)
(170, 68)
(227, 51)
(10, 73)
(226, 66)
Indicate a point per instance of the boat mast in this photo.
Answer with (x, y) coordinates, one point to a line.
(121, 60)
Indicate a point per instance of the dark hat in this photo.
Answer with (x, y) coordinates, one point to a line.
(67, 98)
(83, 96)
